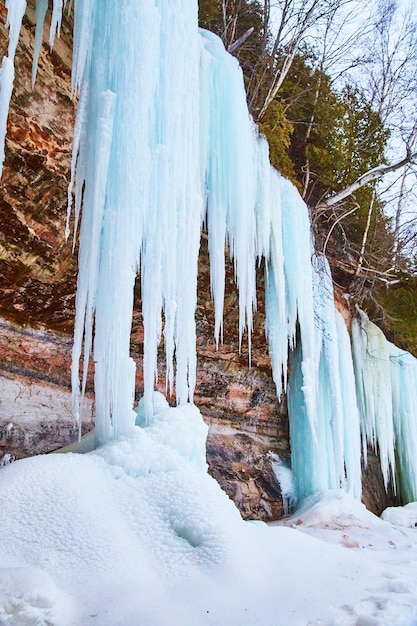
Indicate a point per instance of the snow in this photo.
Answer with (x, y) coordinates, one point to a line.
(402, 515)
(137, 532)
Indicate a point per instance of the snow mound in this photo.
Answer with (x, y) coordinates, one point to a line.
(339, 518)
(333, 509)
(401, 515)
(29, 596)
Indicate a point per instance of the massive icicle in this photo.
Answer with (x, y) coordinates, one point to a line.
(329, 456)
(138, 166)
(373, 382)
(230, 179)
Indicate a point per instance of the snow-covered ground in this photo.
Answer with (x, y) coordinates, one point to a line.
(137, 533)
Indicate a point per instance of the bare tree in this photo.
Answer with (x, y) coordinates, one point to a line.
(286, 24)
(389, 78)
(392, 86)
(338, 37)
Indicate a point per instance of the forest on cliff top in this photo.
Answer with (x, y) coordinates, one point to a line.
(333, 87)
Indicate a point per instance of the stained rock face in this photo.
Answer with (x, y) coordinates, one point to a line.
(35, 399)
(37, 268)
(37, 294)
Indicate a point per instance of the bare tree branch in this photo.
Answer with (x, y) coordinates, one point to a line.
(239, 42)
(368, 177)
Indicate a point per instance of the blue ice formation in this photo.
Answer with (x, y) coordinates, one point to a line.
(386, 383)
(163, 146)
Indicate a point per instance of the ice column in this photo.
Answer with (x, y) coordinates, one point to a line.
(329, 456)
(404, 402)
(374, 391)
(298, 252)
(231, 179)
(386, 379)
(136, 164)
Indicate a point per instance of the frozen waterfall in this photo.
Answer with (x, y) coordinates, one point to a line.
(386, 381)
(164, 146)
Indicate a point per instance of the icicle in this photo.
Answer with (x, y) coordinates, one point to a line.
(141, 194)
(15, 12)
(351, 423)
(386, 379)
(298, 250)
(41, 8)
(373, 383)
(275, 303)
(404, 403)
(231, 183)
(83, 33)
(267, 197)
(56, 20)
(329, 456)
(90, 255)
(6, 88)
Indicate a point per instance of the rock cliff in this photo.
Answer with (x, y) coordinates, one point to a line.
(37, 287)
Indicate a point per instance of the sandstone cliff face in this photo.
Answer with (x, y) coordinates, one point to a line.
(37, 269)
(37, 293)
